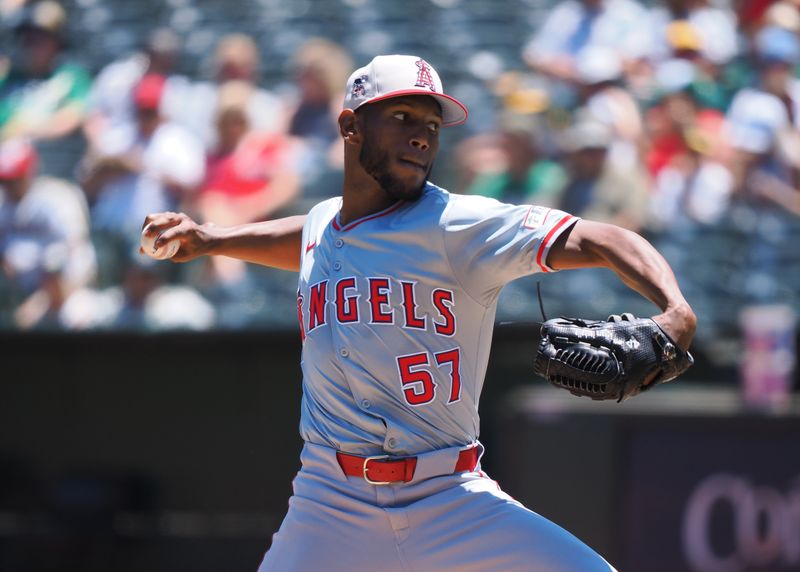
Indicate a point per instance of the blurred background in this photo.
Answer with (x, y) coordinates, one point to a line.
(148, 410)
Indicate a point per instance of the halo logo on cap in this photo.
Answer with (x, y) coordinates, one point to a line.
(396, 76)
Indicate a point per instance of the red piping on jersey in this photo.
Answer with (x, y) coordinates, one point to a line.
(547, 239)
(355, 223)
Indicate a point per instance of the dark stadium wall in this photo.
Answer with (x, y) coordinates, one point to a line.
(163, 452)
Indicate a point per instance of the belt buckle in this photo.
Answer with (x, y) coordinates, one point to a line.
(364, 469)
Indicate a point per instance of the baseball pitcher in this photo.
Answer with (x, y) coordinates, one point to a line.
(398, 285)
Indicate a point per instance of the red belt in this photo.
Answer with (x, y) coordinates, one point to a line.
(384, 470)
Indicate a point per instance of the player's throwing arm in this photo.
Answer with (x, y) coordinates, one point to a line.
(274, 243)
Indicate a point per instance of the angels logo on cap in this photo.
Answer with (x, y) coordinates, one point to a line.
(424, 78)
(395, 76)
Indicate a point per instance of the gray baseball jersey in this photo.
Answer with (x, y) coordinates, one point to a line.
(397, 312)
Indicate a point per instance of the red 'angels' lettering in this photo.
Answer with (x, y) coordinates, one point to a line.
(443, 301)
(378, 298)
(380, 307)
(417, 382)
(316, 306)
(410, 305)
(346, 306)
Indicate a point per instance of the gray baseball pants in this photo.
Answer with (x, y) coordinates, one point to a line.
(447, 523)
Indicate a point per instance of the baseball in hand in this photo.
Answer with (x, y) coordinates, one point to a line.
(165, 251)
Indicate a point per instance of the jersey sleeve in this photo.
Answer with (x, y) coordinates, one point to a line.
(318, 218)
(489, 243)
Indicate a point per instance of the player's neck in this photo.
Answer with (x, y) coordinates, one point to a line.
(362, 196)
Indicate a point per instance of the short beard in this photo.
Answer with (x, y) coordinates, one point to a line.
(376, 165)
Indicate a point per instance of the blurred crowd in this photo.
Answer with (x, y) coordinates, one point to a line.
(677, 119)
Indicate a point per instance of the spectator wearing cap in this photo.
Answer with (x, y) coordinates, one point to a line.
(236, 57)
(45, 251)
(706, 30)
(672, 113)
(698, 36)
(598, 71)
(111, 99)
(597, 189)
(152, 165)
(42, 95)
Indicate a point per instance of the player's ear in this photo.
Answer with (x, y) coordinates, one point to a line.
(349, 128)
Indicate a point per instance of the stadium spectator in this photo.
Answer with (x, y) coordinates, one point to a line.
(509, 165)
(751, 15)
(784, 14)
(598, 72)
(43, 95)
(573, 25)
(249, 175)
(701, 27)
(713, 81)
(764, 118)
(153, 164)
(596, 188)
(142, 301)
(674, 110)
(319, 70)
(45, 251)
(9, 7)
(696, 184)
(236, 57)
(111, 98)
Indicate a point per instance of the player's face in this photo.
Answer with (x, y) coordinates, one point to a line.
(401, 139)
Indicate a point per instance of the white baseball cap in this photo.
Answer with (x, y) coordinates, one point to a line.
(395, 76)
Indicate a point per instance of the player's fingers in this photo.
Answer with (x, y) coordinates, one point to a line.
(178, 231)
(156, 223)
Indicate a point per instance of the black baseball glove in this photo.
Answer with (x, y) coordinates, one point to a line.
(608, 359)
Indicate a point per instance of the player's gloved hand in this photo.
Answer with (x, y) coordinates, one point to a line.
(613, 359)
(195, 238)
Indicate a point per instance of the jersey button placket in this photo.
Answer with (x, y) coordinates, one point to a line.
(337, 264)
